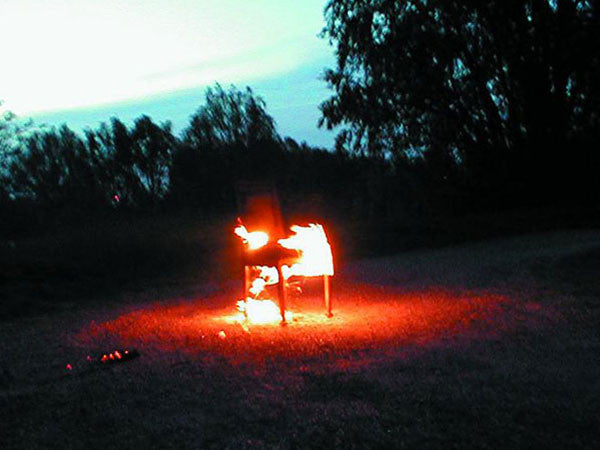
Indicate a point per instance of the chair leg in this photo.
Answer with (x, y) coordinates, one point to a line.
(246, 288)
(282, 294)
(326, 295)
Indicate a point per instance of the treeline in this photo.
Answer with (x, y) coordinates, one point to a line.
(56, 176)
(51, 174)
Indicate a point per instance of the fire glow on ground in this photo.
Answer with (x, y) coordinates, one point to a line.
(366, 318)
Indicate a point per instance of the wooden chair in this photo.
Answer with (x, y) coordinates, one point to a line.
(259, 209)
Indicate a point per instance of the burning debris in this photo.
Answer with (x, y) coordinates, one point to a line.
(105, 359)
(118, 356)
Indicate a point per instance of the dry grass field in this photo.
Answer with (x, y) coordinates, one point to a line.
(492, 344)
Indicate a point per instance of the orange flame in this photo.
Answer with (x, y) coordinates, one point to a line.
(261, 311)
(315, 252)
(254, 239)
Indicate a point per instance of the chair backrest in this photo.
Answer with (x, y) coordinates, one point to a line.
(258, 206)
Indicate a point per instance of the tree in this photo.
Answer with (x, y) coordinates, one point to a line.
(153, 148)
(7, 134)
(53, 168)
(498, 89)
(117, 148)
(132, 165)
(230, 137)
(230, 118)
(12, 135)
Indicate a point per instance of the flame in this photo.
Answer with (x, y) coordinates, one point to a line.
(258, 284)
(315, 252)
(315, 259)
(254, 239)
(261, 311)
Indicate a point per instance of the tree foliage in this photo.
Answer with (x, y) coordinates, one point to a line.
(56, 175)
(493, 88)
(52, 167)
(230, 137)
(230, 118)
(153, 146)
(12, 135)
(58, 168)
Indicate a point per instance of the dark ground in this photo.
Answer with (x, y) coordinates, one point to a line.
(482, 345)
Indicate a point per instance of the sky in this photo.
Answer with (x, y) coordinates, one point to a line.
(81, 62)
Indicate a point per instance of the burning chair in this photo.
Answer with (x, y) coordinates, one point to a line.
(276, 256)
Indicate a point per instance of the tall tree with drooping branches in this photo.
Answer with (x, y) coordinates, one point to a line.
(502, 90)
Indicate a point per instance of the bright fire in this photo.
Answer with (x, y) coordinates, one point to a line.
(261, 311)
(315, 259)
(254, 239)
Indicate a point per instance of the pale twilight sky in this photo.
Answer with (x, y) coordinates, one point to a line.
(83, 61)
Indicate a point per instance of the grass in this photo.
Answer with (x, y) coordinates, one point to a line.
(486, 345)
(71, 266)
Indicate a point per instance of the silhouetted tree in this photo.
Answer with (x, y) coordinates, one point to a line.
(230, 118)
(502, 90)
(12, 136)
(231, 136)
(132, 166)
(6, 150)
(54, 169)
(115, 145)
(153, 148)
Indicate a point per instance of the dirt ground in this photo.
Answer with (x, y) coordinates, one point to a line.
(494, 344)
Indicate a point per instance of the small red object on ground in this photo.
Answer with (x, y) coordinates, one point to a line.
(118, 356)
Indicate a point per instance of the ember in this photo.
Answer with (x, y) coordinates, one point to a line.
(116, 356)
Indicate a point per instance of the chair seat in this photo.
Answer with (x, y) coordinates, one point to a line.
(271, 255)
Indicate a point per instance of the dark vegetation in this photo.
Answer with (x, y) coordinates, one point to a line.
(497, 98)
